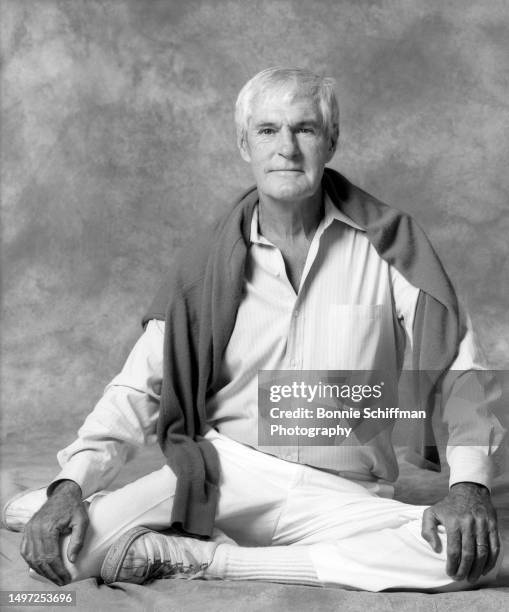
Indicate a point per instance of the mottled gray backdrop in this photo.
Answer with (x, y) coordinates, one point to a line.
(118, 138)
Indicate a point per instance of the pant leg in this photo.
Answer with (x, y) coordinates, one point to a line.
(392, 558)
(146, 501)
(253, 489)
(359, 540)
(322, 507)
(252, 494)
(354, 538)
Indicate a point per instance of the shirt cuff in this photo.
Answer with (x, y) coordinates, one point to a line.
(470, 464)
(84, 472)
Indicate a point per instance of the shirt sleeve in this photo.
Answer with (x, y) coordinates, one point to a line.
(468, 390)
(122, 421)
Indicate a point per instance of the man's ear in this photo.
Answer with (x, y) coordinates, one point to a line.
(333, 143)
(244, 148)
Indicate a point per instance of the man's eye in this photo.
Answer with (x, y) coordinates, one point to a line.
(305, 130)
(266, 131)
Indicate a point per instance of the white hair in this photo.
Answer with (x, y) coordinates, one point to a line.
(305, 82)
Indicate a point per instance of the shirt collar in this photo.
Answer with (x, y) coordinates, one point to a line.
(255, 236)
(331, 213)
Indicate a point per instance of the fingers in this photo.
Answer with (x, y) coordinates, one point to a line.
(453, 551)
(45, 569)
(467, 548)
(46, 551)
(62, 513)
(470, 521)
(79, 529)
(473, 547)
(494, 544)
(40, 549)
(482, 550)
(429, 530)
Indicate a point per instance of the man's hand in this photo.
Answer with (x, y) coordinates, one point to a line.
(64, 512)
(470, 521)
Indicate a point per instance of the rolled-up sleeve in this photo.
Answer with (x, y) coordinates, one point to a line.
(123, 420)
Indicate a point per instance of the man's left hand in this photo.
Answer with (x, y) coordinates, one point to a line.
(470, 521)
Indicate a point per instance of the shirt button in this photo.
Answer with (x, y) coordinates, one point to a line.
(295, 314)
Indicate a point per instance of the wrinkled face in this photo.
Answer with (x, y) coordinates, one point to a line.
(286, 146)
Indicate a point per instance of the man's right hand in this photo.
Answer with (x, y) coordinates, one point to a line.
(64, 512)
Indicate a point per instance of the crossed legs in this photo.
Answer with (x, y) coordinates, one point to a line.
(291, 523)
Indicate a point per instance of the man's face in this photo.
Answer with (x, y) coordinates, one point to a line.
(286, 146)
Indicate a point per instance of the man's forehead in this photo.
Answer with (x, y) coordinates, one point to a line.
(274, 104)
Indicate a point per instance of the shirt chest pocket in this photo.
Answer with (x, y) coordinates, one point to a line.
(358, 337)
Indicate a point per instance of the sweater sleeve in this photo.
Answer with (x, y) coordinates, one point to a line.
(468, 391)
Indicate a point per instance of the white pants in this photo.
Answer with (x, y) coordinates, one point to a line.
(355, 538)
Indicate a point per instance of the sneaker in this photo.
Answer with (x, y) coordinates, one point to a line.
(19, 509)
(142, 555)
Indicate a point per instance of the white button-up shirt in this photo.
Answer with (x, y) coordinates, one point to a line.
(352, 311)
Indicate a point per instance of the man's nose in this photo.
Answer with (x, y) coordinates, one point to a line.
(288, 145)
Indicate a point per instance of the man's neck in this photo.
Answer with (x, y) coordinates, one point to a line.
(290, 226)
(290, 221)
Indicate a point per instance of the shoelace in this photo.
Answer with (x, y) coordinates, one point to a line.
(164, 563)
(169, 569)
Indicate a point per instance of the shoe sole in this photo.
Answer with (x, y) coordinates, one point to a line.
(115, 556)
(16, 521)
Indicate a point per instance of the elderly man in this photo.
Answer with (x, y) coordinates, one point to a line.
(306, 272)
